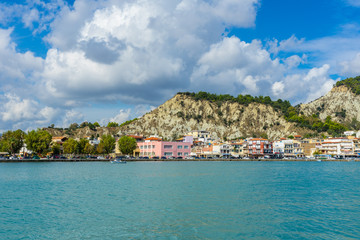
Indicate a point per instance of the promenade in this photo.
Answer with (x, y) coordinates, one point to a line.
(178, 160)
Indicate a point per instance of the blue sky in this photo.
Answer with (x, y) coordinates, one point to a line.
(107, 60)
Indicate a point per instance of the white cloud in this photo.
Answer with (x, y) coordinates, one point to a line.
(135, 51)
(233, 66)
(352, 67)
(306, 86)
(128, 114)
(278, 88)
(16, 112)
(336, 51)
(15, 67)
(71, 116)
(294, 61)
(30, 17)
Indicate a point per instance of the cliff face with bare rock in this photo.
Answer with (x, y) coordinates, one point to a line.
(182, 114)
(341, 104)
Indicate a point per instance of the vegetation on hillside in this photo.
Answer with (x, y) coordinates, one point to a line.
(290, 113)
(128, 122)
(352, 83)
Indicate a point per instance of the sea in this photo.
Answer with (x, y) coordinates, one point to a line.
(180, 200)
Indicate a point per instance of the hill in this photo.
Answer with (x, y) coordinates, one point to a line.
(342, 104)
(223, 116)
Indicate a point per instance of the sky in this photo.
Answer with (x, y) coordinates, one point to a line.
(110, 60)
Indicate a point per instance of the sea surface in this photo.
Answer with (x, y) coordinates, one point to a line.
(180, 200)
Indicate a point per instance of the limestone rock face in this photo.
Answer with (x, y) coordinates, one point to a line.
(182, 114)
(82, 132)
(337, 100)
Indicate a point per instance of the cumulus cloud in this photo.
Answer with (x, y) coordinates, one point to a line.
(22, 112)
(351, 67)
(71, 116)
(134, 51)
(15, 67)
(128, 114)
(336, 51)
(311, 84)
(278, 88)
(35, 15)
(233, 66)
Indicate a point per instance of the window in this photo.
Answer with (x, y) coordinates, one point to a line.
(186, 147)
(179, 154)
(179, 147)
(153, 146)
(168, 154)
(141, 147)
(145, 147)
(168, 146)
(186, 154)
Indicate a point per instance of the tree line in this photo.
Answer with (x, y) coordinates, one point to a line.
(40, 142)
(352, 83)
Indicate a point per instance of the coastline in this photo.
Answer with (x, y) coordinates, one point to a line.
(179, 160)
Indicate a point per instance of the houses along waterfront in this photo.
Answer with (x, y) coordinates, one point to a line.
(200, 144)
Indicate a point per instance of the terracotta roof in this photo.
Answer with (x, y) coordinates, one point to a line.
(58, 138)
(153, 139)
(136, 137)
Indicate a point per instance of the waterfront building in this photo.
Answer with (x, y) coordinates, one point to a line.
(260, 147)
(222, 150)
(237, 149)
(288, 148)
(356, 142)
(278, 147)
(309, 146)
(341, 147)
(298, 148)
(155, 147)
(200, 135)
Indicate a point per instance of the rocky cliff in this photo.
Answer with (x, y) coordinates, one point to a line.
(182, 114)
(341, 104)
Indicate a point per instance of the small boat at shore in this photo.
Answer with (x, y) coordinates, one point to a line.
(118, 160)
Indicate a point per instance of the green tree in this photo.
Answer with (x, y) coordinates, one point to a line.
(108, 143)
(70, 146)
(127, 145)
(96, 124)
(38, 141)
(12, 141)
(81, 145)
(56, 149)
(89, 149)
(73, 126)
(100, 148)
(112, 124)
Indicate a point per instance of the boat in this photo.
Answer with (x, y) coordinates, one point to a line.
(118, 160)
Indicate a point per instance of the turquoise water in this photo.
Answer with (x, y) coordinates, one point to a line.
(180, 200)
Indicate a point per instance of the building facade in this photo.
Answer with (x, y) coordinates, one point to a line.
(259, 147)
(160, 149)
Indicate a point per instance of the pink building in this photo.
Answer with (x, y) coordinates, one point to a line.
(151, 148)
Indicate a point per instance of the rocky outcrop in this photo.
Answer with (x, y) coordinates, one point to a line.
(82, 132)
(182, 114)
(341, 104)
